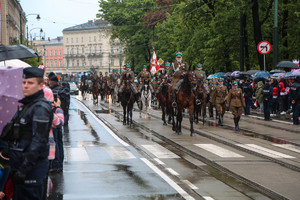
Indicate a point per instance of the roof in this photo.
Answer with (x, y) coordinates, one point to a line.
(89, 25)
(58, 40)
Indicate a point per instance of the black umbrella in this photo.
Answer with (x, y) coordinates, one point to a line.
(287, 64)
(274, 71)
(252, 72)
(16, 52)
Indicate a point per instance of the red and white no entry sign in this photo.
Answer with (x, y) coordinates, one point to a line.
(264, 47)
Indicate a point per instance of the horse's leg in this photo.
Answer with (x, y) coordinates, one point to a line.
(128, 115)
(131, 124)
(140, 107)
(204, 111)
(178, 121)
(191, 119)
(163, 108)
(124, 115)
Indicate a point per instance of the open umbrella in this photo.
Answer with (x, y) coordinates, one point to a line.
(277, 74)
(219, 75)
(263, 74)
(252, 72)
(276, 71)
(14, 63)
(287, 64)
(16, 52)
(211, 76)
(235, 73)
(10, 93)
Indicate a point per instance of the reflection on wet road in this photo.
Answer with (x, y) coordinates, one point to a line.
(97, 166)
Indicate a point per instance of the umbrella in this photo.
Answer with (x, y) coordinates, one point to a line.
(219, 75)
(276, 71)
(287, 64)
(252, 72)
(277, 74)
(228, 74)
(16, 52)
(235, 73)
(10, 93)
(14, 63)
(210, 77)
(288, 75)
(263, 74)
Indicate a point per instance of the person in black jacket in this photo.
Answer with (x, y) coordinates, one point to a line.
(28, 144)
(66, 103)
(295, 100)
(267, 96)
(248, 94)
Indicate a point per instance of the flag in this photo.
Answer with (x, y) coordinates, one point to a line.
(154, 67)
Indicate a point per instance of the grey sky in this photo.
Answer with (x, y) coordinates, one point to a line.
(57, 15)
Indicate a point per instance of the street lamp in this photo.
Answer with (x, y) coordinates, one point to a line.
(21, 33)
(41, 31)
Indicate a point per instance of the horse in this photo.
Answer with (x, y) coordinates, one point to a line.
(200, 101)
(127, 99)
(145, 101)
(106, 90)
(185, 99)
(163, 99)
(114, 91)
(84, 89)
(95, 91)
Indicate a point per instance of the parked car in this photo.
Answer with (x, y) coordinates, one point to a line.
(73, 88)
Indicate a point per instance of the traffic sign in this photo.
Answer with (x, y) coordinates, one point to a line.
(264, 47)
(160, 61)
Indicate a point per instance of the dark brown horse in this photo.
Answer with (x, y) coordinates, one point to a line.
(84, 88)
(185, 99)
(95, 91)
(163, 98)
(127, 99)
(200, 101)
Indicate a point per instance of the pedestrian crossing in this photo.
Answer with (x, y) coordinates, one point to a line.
(219, 151)
(264, 151)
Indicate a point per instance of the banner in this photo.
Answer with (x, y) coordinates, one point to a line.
(154, 67)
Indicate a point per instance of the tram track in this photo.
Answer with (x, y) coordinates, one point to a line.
(211, 163)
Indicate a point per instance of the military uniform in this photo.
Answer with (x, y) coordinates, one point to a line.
(267, 96)
(219, 100)
(295, 100)
(199, 73)
(128, 74)
(212, 90)
(28, 145)
(236, 102)
(142, 77)
(168, 72)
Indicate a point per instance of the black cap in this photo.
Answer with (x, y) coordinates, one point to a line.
(33, 72)
(4, 157)
(64, 84)
(53, 78)
(51, 74)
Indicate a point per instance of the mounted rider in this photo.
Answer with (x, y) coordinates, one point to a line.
(144, 76)
(106, 79)
(178, 74)
(127, 74)
(199, 73)
(168, 71)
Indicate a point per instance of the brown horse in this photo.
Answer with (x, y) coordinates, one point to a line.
(185, 99)
(95, 91)
(106, 90)
(163, 99)
(127, 99)
(200, 101)
(84, 89)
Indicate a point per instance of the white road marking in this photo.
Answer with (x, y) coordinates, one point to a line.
(159, 161)
(264, 151)
(119, 152)
(288, 147)
(191, 185)
(219, 151)
(208, 198)
(159, 151)
(108, 130)
(172, 171)
(76, 154)
(183, 193)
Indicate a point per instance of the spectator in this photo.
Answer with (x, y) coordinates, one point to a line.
(4, 171)
(282, 98)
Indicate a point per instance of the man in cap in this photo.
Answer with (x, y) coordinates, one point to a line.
(199, 73)
(236, 102)
(267, 96)
(129, 75)
(219, 99)
(212, 90)
(29, 148)
(144, 76)
(168, 72)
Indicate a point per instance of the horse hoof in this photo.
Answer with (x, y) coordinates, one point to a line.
(165, 124)
(124, 123)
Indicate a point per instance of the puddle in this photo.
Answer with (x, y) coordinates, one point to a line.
(103, 111)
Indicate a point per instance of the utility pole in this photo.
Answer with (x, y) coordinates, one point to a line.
(275, 46)
(21, 37)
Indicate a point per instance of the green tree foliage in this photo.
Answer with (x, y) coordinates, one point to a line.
(205, 31)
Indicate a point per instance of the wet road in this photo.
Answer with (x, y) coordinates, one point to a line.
(98, 165)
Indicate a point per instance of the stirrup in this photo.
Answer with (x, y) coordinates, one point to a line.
(174, 104)
(198, 102)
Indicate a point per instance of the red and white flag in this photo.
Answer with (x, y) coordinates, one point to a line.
(154, 67)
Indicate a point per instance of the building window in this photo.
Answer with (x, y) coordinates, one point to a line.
(100, 49)
(81, 39)
(55, 63)
(95, 50)
(76, 40)
(68, 51)
(60, 52)
(90, 63)
(111, 49)
(95, 63)
(120, 49)
(51, 63)
(55, 53)
(100, 37)
(73, 63)
(90, 39)
(67, 40)
(46, 52)
(60, 63)
(47, 63)
(50, 52)
(71, 40)
(72, 52)
(94, 38)
(100, 62)
(82, 51)
(77, 51)
(112, 62)
(90, 49)
(78, 63)
(67, 63)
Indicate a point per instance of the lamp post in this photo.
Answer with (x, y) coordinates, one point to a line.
(21, 33)
(41, 31)
(275, 54)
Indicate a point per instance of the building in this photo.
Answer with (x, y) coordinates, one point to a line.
(88, 47)
(12, 22)
(53, 54)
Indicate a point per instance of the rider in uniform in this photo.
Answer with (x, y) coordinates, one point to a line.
(199, 73)
(167, 71)
(212, 90)
(236, 102)
(28, 146)
(144, 76)
(219, 99)
(128, 73)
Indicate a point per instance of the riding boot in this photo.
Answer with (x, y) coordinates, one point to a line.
(174, 104)
(237, 123)
(219, 121)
